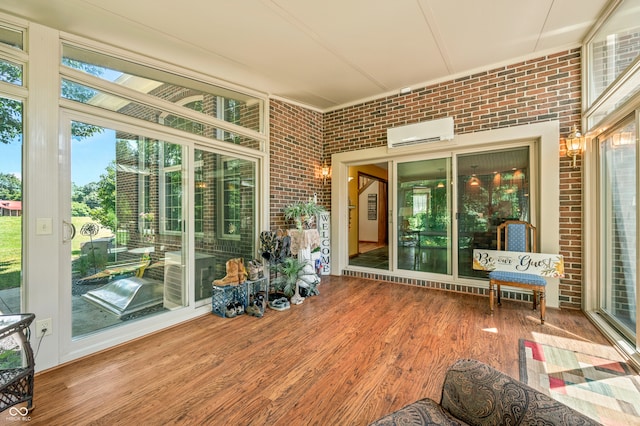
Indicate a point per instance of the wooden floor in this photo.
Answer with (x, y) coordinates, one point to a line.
(358, 351)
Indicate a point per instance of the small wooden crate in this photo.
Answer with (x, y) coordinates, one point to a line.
(223, 295)
(253, 287)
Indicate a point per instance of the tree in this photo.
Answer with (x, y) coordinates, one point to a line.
(106, 192)
(10, 109)
(10, 187)
(86, 194)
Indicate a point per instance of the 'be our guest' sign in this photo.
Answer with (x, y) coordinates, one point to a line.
(545, 265)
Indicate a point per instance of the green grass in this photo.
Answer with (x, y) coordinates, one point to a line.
(10, 251)
(11, 247)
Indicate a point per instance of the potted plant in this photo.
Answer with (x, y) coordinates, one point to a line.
(288, 272)
(303, 214)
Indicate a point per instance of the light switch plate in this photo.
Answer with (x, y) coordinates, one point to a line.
(44, 226)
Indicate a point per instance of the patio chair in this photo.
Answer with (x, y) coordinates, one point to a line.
(519, 236)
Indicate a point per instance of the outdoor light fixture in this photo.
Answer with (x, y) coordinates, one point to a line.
(573, 143)
(325, 172)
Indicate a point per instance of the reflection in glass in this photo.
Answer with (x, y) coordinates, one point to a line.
(221, 103)
(613, 48)
(12, 37)
(85, 94)
(127, 257)
(10, 72)
(492, 187)
(225, 214)
(618, 227)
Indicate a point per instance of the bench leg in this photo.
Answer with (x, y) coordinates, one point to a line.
(535, 299)
(498, 292)
(491, 296)
(543, 307)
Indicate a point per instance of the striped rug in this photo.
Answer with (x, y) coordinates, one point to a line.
(605, 390)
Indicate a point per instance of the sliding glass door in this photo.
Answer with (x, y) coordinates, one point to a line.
(224, 216)
(424, 215)
(126, 232)
(618, 227)
(492, 187)
(443, 205)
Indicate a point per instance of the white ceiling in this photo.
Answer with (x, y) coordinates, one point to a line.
(325, 53)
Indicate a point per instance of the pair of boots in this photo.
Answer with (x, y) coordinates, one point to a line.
(256, 270)
(236, 273)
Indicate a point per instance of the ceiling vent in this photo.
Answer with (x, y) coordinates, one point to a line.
(414, 134)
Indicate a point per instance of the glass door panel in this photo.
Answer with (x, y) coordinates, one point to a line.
(10, 206)
(225, 214)
(127, 204)
(424, 219)
(492, 187)
(618, 227)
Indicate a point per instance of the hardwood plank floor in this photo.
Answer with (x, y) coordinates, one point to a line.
(359, 350)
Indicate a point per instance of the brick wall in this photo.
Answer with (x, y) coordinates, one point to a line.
(542, 89)
(296, 158)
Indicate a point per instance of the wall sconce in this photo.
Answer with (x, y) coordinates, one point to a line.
(573, 143)
(325, 171)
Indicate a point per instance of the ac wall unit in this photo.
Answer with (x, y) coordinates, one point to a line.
(427, 131)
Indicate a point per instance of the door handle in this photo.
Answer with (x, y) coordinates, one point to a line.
(72, 231)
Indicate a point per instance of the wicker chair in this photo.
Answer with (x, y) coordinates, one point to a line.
(16, 378)
(518, 236)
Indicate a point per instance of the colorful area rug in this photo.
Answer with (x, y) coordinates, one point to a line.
(605, 390)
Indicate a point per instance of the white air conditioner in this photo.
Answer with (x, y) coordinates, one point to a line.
(427, 131)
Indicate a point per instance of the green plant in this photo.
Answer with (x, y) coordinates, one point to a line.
(288, 272)
(303, 214)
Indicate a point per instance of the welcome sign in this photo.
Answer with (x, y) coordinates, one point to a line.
(324, 228)
(545, 265)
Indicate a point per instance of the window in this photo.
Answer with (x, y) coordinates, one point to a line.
(145, 210)
(613, 68)
(11, 201)
(218, 106)
(618, 159)
(12, 37)
(613, 94)
(12, 97)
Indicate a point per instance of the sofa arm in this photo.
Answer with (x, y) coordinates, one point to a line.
(423, 412)
(481, 395)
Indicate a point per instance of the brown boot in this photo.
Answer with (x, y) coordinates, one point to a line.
(242, 271)
(232, 274)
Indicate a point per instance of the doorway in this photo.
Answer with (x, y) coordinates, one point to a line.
(368, 220)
